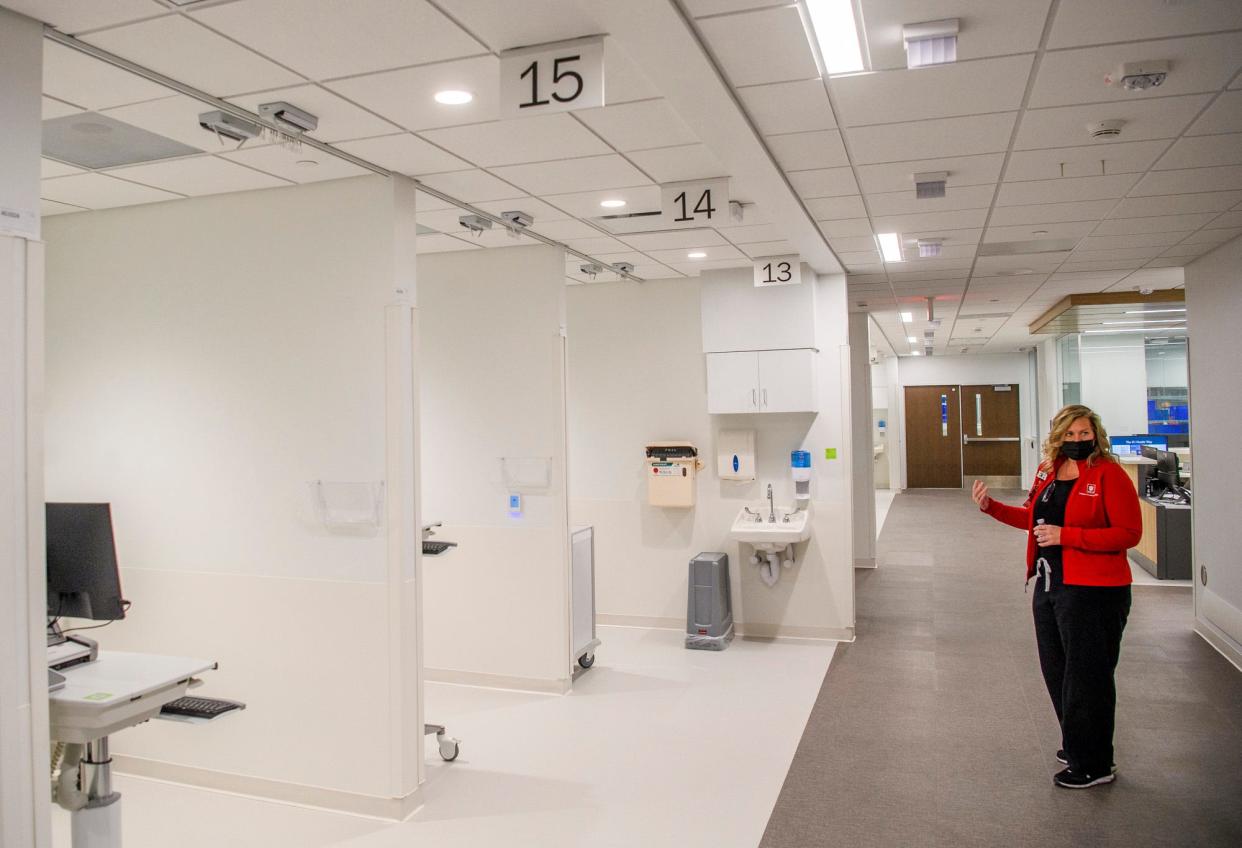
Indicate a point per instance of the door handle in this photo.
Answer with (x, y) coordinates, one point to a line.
(967, 440)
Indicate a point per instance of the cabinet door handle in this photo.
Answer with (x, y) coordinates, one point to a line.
(754, 398)
(765, 397)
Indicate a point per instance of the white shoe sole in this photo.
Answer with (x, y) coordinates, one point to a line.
(1105, 778)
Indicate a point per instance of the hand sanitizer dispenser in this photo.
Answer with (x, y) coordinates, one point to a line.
(800, 466)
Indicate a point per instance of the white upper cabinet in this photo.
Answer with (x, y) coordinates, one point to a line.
(733, 382)
(761, 381)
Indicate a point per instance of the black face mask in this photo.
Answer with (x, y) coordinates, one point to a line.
(1077, 450)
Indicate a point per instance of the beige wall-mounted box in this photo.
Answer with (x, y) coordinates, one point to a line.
(671, 469)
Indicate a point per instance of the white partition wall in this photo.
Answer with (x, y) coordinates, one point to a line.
(1214, 310)
(24, 819)
(210, 360)
(493, 360)
(637, 375)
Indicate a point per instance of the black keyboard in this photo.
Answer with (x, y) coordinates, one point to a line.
(200, 707)
(437, 548)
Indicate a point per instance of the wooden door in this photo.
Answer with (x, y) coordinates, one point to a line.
(933, 438)
(992, 434)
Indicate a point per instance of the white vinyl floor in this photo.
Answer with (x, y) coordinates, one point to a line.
(883, 500)
(656, 746)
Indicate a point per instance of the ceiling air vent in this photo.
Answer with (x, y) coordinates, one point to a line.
(929, 248)
(91, 140)
(930, 185)
(629, 222)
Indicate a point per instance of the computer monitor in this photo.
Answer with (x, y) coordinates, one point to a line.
(82, 576)
(1168, 469)
(1133, 445)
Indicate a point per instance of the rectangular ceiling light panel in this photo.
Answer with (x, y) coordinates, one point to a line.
(834, 27)
(890, 246)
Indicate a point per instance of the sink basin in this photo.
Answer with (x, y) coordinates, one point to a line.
(768, 536)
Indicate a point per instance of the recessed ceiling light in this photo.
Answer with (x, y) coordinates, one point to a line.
(912, 339)
(907, 317)
(453, 97)
(890, 246)
(833, 26)
(612, 204)
(306, 163)
(697, 254)
(915, 353)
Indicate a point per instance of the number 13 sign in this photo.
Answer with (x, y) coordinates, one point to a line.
(778, 271)
(552, 78)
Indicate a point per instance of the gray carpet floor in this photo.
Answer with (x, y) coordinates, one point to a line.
(934, 727)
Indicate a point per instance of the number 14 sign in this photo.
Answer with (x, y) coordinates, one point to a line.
(698, 203)
(778, 271)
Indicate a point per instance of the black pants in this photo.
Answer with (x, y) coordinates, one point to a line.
(1078, 629)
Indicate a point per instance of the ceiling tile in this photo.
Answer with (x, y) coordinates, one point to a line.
(1065, 190)
(675, 164)
(74, 16)
(1028, 232)
(542, 212)
(1165, 263)
(638, 126)
(768, 248)
(989, 28)
(699, 8)
(1187, 250)
(751, 234)
(674, 239)
(1065, 126)
(280, 162)
(905, 202)
(99, 191)
(174, 117)
(846, 228)
(1156, 224)
(472, 186)
(495, 22)
(327, 38)
(832, 208)
(437, 243)
(586, 204)
(824, 182)
(1228, 219)
(714, 253)
(886, 97)
(805, 151)
(1093, 160)
(407, 96)
(182, 49)
(856, 259)
(1088, 210)
(963, 171)
(1203, 63)
(927, 221)
(77, 78)
(592, 173)
(789, 107)
(625, 80)
(51, 207)
(761, 47)
(1224, 115)
(338, 118)
(198, 175)
(52, 168)
(1223, 178)
(53, 108)
(1203, 151)
(694, 269)
(405, 154)
(535, 139)
(1080, 22)
(1142, 240)
(566, 229)
(1141, 207)
(1213, 236)
(852, 244)
(945, 137)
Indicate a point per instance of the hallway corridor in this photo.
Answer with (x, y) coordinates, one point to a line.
(934, 728)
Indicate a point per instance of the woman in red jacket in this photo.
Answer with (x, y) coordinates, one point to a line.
(1082, 515)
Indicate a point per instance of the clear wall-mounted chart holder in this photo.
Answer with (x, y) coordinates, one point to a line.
(348, 506)
(526, 473)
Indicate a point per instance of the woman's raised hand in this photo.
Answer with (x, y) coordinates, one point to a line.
(979, 494)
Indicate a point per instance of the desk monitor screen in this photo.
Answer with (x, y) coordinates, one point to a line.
(1168, 469)
(1133, 445)
(82, 577)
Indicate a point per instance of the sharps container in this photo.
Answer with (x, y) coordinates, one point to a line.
(709, 614)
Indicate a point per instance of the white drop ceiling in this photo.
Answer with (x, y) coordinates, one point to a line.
(1008, 122)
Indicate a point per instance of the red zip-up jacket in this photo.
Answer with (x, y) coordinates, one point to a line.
(1102, 522)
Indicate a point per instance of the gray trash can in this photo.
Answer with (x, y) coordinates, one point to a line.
(709, 605)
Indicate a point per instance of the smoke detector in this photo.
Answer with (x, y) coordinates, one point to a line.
(1106, 129)
(1138, 76)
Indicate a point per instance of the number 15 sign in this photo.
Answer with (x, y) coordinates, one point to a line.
(552, 77)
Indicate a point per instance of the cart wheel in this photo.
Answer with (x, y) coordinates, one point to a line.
(586, 660)
(449, 748)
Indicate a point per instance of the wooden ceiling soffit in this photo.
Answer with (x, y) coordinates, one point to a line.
(1072, 313)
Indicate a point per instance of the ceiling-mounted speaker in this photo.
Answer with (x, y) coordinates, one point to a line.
(930, 184)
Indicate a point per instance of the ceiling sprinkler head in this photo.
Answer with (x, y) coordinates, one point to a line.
(1106, 129)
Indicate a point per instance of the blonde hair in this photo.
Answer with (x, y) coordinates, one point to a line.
(1061, 423)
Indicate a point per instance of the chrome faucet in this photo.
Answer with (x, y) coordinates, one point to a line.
(771, 508)
(750, 511)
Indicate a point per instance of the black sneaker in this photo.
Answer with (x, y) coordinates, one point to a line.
(1072, 780)
(1063, 760)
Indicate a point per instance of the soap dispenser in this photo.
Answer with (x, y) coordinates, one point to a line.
(800, 467)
